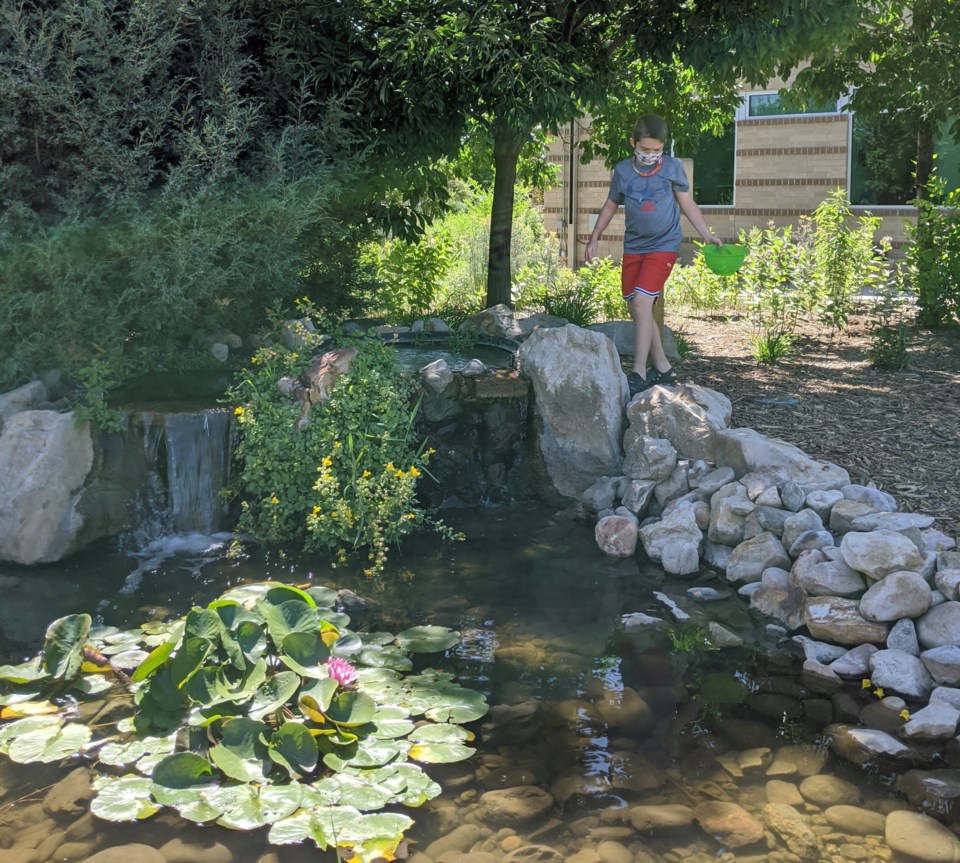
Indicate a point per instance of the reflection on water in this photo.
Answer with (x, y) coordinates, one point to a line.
(603, 739)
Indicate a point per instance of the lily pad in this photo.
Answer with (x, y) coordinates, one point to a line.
(305, 653)
(25, 672)
(183, 770)
(293, 747)
(49, 744)
(63, 645)
(291, 616)
(439, 753)
(241, 753)
(428, 639)
(274, 693)
(351, 708)
(126, 798)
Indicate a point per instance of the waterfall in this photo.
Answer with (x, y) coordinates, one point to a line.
(198, 466)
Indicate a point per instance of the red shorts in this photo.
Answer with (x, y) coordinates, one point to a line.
(646, 274)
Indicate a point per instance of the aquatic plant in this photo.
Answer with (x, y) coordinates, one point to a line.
(262, 709)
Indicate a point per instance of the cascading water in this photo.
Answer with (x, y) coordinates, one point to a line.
(179, 507)
(198, 466)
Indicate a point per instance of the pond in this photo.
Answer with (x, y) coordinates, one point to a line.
(626, 726)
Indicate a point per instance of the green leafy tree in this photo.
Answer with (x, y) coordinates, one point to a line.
(902, 58)
(427, 67)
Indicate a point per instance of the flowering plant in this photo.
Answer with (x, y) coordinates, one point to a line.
(348, 481)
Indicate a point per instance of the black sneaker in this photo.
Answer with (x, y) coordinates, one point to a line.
(667, 378)
(636, 383)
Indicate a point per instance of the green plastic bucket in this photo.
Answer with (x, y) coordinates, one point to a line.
(724, 260)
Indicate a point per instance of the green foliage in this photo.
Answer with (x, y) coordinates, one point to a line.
(109, 289)
(95, 381)
(695, 287)
(773, 277)
(933, 260)
(684, 348)
(845, 258)
(601, 281)
(411, 275)
(583, 297)
(890, 319)
(771, 347)
(261, 710)
(347, 482)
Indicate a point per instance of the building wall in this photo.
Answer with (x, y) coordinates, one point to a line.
(783, 168)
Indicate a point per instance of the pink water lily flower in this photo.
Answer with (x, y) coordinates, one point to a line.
(342, 671)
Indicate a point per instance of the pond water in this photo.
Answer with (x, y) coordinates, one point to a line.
(626, 727)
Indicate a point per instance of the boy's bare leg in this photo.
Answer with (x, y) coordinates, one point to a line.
(657, 355)
(644, 326)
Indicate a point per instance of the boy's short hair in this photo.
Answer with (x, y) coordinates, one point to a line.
(650, 126)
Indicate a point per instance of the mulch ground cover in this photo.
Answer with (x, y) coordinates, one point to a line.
(899, 431)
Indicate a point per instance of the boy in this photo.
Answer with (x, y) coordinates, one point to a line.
(654, 190)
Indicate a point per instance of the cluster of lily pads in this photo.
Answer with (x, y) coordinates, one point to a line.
(261, 710)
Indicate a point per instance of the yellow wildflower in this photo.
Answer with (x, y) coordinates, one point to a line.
(879, 692)
(294, 356)
(390, 467)
(238, 411)
(254, 360)
(414, 472)
(398, 473)
(327, 461)
(316, 509)
(904, 714)
(274, 500)
(366, 473)
(865, 683)
(337, 444)
(431, 451)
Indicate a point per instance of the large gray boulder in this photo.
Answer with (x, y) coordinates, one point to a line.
(746, 450)
(688, 416)
(44, 460)
(579, 390)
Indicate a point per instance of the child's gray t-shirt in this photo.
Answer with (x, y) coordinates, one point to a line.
(652, 212)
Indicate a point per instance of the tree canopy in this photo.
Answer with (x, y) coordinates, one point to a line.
(514, 68)
(902, 60)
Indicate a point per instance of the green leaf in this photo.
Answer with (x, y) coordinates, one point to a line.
(189, 658)
(244, 688)
(351, 708)
(26, 672)
(273, 694)
(391, 722)
(157, 657)
(293, 747)
(292, 616)
(305, 653)
(419, 787)
(251, 639)
(440, 733)
(203, 623)
(318, 694)
(456, 704)
(63, 645)
(325, 596)
(428, 639)
(348, 644)
(353, 791)
(28, 725)
(278, 594)
(49, 744)
(439, 753)
(123, 799)
(385, 657)
(182, 770)
(241, 753)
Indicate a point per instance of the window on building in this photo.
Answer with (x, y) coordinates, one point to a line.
(776, 105)
(883, 159)
(713, 167)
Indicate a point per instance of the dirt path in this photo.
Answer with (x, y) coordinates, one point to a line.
(898, 430)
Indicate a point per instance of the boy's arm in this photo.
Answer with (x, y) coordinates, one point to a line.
(690, 209)
(603, 219)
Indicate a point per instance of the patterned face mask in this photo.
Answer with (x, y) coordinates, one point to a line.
(648, 159)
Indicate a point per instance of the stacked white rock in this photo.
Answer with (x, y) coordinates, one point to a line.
(872, 593)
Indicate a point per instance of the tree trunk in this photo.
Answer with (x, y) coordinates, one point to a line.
(506, 153)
